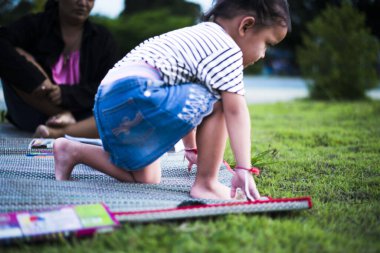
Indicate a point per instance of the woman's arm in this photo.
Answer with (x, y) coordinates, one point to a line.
(14, 67)
(47, 87)
(31, 59)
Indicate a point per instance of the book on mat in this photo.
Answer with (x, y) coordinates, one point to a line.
(178, 147)
(85, 140)
(41, 143)
(65, 221)
(40, 147)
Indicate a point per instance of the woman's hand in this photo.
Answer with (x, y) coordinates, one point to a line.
(55, 94)
(44, 89)
(49, 90)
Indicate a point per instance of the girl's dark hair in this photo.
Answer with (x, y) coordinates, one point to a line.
(51, 5)
(266, 12)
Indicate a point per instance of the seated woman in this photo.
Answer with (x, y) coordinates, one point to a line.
(51, 65)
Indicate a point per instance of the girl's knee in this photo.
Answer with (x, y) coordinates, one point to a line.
(133, 177)
(149, 180)
(149, 175)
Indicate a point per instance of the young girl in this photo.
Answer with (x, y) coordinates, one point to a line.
(169, 85)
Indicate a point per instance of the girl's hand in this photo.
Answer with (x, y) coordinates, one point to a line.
(191, 155)
(244, 180)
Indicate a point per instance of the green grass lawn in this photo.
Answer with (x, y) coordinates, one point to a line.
(330, 151)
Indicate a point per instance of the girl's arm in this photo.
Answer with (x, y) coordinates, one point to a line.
(238, 126)
(189, 140)
(191, 153)
(239, 130)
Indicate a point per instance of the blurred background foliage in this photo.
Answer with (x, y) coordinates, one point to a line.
(142, 19)
(339, 55)
(130, 30)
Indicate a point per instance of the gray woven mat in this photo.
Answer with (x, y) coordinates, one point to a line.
(12, 146)
(27, 183)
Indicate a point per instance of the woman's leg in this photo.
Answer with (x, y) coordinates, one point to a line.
(211, 141)
(67, 154)
(84, 128)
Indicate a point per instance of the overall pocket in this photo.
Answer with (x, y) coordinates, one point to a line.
(126, 122)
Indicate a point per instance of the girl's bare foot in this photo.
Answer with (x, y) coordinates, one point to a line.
(61, 120)
(215, 190)
(43, 131)
(64, 158)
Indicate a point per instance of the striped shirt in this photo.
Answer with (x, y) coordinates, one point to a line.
(203, 54)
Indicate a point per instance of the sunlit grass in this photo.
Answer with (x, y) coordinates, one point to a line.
(329, 151)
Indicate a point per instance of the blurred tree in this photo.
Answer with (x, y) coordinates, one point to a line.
(131, 30)
(372, 9)
(302, 12)
(38, 5)
(143, 19)
(12, 10)
(339, 54)
(175, 7)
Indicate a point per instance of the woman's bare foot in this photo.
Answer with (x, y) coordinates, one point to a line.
(64, 158)
(61, 120)
(43, 131)
(215, 190)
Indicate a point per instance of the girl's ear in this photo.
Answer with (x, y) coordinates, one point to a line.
(246, 23)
